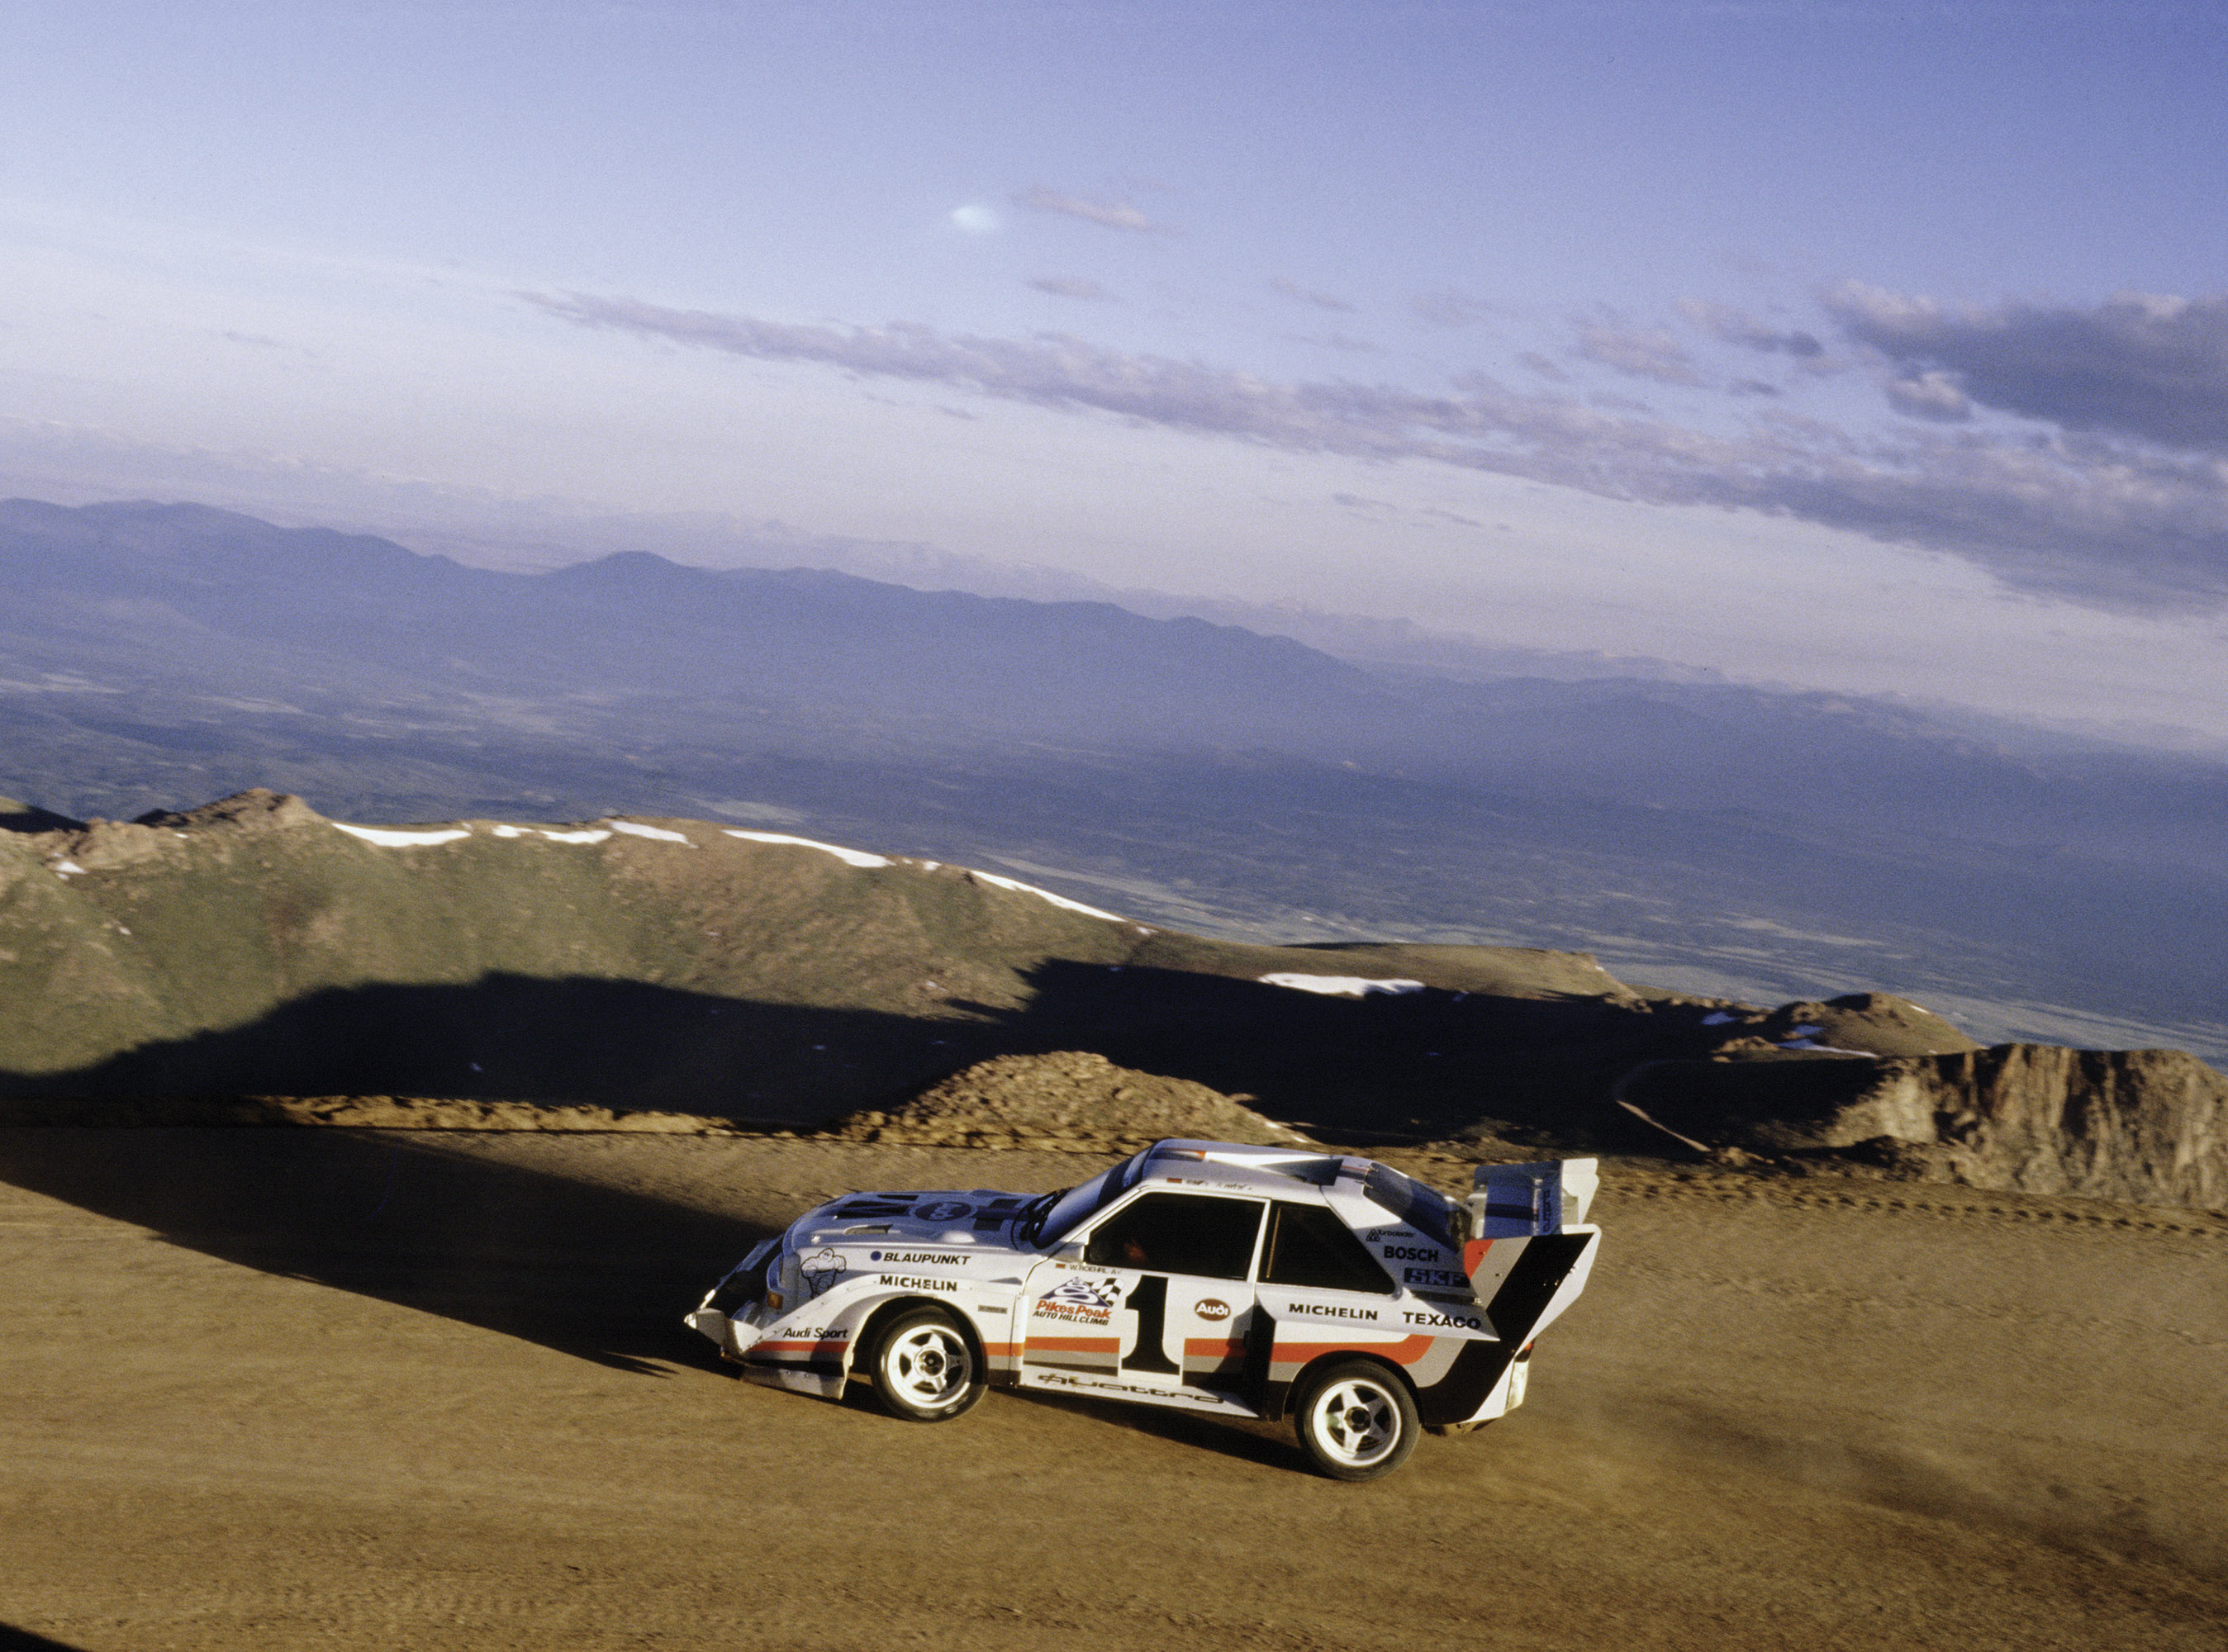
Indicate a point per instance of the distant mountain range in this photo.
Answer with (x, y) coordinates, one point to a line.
(1702, 836)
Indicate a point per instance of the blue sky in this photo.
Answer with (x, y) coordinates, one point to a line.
(1871, 346)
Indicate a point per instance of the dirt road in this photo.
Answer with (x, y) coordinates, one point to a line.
(322, 1388)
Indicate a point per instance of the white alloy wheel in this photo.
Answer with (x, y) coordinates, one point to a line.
(924, 1371)
(1356, 1420)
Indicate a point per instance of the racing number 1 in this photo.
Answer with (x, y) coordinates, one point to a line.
(1148, 1300)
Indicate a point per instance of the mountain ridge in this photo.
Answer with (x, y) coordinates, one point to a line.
(1723, 838)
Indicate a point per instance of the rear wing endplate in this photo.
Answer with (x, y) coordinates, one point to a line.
(1520, 1200)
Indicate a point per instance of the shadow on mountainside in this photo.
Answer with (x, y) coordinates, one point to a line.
(1427, 1063)
(596, 1273)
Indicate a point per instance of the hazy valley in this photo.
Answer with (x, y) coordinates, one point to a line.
(1694, 836)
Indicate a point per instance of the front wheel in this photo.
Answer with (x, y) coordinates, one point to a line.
(1356, 1420)
(923, 1370)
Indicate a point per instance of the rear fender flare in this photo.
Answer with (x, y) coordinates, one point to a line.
(1280, 1404)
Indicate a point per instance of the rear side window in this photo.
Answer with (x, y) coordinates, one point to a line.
(1412, 1201)
(1308, 1245)
(1179, 1233)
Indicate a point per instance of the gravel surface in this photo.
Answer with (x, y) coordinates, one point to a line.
(311, 1388)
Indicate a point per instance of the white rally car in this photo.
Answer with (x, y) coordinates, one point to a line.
(1234, 1280)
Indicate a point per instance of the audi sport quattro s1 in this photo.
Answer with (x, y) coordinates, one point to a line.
(1252, 1282)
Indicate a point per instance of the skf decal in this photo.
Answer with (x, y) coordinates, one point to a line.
(944, 1210)
(923, 1283)
(1212, 1308)
(1450, 1278)
(1325, 1311)
(919, 1258)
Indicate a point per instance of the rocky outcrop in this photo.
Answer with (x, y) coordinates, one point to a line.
(1070, 1099)
(2142, 1126)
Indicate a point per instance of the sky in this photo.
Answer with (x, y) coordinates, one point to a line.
(1871, 347)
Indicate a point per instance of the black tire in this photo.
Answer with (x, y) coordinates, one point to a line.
(924, 1369)
(1356, 1420)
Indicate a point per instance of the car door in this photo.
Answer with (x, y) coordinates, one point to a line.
(1322, 1293)
(1159, 1300)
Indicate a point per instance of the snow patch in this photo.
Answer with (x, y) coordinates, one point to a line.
(590, 836)
(68, 869)
(849, 857)
(657, 832)
(385, 838)
(1341, 986)
(1719, 1018)
(1062, 901)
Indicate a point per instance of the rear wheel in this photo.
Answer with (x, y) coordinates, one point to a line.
(923, 1370)
(1356, 1420)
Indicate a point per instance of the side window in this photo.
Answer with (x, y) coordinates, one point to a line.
(1308, 1245)
(1179, 1233)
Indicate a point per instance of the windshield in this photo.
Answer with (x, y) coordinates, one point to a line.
(1051, 1216)
(1413, 1203)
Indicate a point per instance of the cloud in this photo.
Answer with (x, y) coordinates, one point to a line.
(1061, 286)
(1342, 341)
(2136, 365)
(1546, 368)
(1113, 214)
(1639, 352)
(1447, 307)
(2078, 515)
(1738, 327)
(1320, 300)
(1928, 395)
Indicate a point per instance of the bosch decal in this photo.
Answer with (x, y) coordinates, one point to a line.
(1414, 1253)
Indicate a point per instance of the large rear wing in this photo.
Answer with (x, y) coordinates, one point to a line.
(1527, 1248)
(1518, 1201)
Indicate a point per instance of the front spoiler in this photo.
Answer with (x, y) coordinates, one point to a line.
(734, 1338)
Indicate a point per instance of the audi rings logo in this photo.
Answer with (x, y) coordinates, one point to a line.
(1212, 1308)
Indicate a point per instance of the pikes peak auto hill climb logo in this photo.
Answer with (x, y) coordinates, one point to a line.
(1082, 1301)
